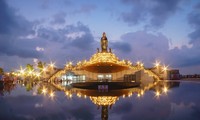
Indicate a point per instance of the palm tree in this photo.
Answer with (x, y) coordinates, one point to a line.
(41, 66)
(29, 67)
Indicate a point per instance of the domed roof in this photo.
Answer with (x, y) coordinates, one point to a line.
(105, 62)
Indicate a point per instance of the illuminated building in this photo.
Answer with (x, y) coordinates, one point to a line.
(104, 65)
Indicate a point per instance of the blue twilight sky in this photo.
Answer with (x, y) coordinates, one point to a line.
(70, 30)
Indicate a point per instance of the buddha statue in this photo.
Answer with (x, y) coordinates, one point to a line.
(104, 43)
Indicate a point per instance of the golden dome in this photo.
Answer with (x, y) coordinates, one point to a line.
(105, 62)
(103, 57)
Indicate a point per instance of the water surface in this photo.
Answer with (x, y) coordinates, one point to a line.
(28, 101)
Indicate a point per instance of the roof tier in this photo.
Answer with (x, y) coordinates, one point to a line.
(105, 62)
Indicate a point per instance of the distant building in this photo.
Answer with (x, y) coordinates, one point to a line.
(173, 74)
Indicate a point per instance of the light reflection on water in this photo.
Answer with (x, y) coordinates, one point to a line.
(37, 100)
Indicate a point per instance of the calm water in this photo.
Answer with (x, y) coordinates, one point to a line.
(42, 101)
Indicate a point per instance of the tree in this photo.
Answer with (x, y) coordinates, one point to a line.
(40, 65)
(1, 71)
(29, 67)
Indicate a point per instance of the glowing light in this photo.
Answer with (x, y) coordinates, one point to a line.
(129, 62)
(130, 94)
(165, 89)
(22, 71)
(66, 93)
(139, 63)
(79, 95)
(165, 68)
(44, 90)
(52, 65)
(52, 94)
(157, 64)
(157, 93)
(44, 69)
(123, 96)
(70, 63)
(142, 92)
(138, 95)
(70, 95)
(85, 96)
(30, 72)
(37, 74)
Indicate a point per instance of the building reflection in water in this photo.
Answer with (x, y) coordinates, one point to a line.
(106, 98)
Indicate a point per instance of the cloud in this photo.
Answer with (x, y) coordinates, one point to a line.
(68, 35)
(33, 107)
(85, 8)
(45, 4)
(59, 18)
(22, 48)
(84, 40)
(84, 113)
(184, 111)
(48, 43)
(148, 107)
(78, 36)
(38, 105)
(39, 48)
(189, 56)
(145, 46)
(7, 20)
(143, 108)
(154, 13)
(12, 26)
(194, 21)
(61, 42)
(122, 108)
(121, 46)
(50, 34)
(75, 35)
(163, 10)
(173, 106)
(184, 57)
(148, 48)
(185, 106)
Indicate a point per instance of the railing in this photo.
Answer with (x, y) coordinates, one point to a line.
(149, 72)
(56, 74)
